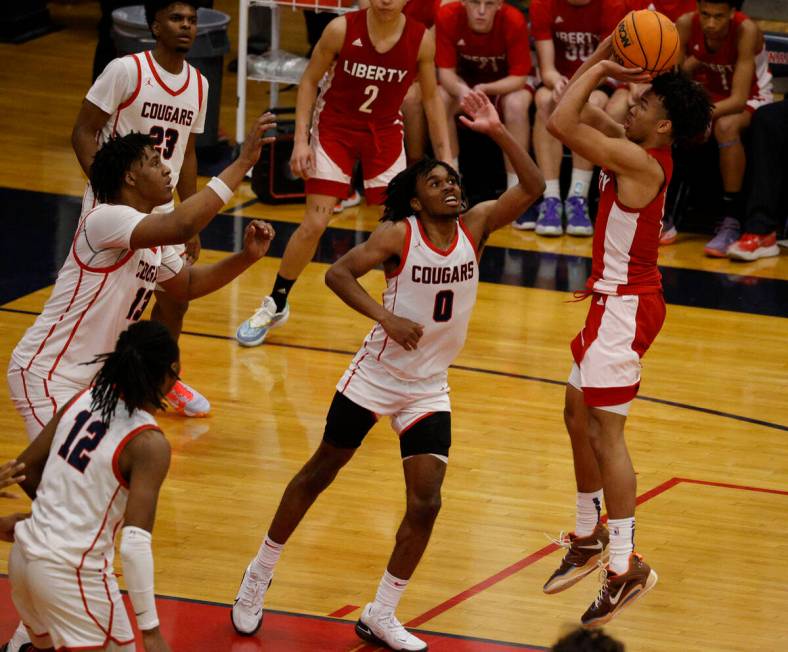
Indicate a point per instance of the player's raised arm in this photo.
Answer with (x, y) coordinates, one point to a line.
(384, 247)
(302, 160)
(486, 217)
(433, 105)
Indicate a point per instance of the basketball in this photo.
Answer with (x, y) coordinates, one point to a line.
(646, 39)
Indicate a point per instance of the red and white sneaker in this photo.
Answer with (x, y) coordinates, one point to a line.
(752, 247)
(187, 401)
(350, 202)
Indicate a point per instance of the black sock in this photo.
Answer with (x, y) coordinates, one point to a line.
(281, 290)
(732, 205)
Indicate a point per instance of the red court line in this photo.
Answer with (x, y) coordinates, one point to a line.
(343, 611)
(740, 487)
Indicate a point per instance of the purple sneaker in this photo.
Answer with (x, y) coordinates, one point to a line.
(549, 220)
(577, 220)
(726, 233)
(527, 221)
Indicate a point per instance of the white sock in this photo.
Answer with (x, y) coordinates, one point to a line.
(511, 179)
(20, 636)
(267, 556)
(589, 511)
(622, 542)
(552, 188)
(390, 591)
(581, 181)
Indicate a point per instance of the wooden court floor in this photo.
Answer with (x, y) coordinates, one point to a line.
(708, 437)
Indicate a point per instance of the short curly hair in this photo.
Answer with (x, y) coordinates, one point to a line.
(686, 102)
(111, 162)
(402, 188)
(152, 7)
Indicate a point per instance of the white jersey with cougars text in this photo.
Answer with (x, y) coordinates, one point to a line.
(102, 288)
(435, 288)
(81, 500)
(141, 96)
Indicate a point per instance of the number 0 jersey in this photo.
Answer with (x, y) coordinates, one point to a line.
(82, 497)
(102, 288)
(364, 87)
(432, 287)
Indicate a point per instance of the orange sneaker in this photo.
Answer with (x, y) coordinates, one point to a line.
(752, 247)
(187, 401)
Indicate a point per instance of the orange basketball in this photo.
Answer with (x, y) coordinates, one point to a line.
(646, 39)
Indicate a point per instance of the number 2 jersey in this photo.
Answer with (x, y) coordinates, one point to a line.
(432, 287)
(81, 500)
(102, 288)
(364, 88)
(141, 96)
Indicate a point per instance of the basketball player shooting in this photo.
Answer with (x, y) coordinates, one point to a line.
(430, 253)
(626, 313)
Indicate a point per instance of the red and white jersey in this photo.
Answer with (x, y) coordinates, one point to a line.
(626, 240)
(432, 287)
(670, 8)
(365, 88)
(102, 288)
(715, 72)
(141, 96)
(82, 497)
(482, 58)
(575, 30)
(423, 11)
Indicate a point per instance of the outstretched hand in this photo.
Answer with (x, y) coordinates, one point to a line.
(10, 473)
(257, 238)
(250, 152)
(482, 114)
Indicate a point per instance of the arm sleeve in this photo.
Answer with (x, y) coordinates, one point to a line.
(114, 85)
(110, 226)
(171, 264)
(540, 20)
(137, 558)
(518, 52)
(199, 122)
(445, 50)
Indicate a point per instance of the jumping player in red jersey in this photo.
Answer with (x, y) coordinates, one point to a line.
(367, 60)
(724, 50)
(626, 313)
(482, 45)
(154, 92)
(429, 249)
(566, 32)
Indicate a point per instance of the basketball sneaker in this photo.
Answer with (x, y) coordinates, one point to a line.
(583, 555)
(527, 221)
(619, 591)
(20, 641)
(669, 232)
(247, 612)
(726, 233)
(350, 202)
(187, 401)
(578, 221)
(752, 247)
(254, 330)
(549, 220)
(385, 629)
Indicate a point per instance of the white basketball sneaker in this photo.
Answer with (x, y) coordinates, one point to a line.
(247, 611)
(255, 329)
(20, 641)
(187, 401)
(385, 629)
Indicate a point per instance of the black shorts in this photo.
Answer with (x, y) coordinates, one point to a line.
(347, 423)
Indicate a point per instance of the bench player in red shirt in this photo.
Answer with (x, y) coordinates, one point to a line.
(566, 32)
(626, 313)
(482, 45)
(367, 60)
(724, 50)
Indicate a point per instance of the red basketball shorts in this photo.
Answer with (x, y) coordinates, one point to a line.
(380, 150)
(617, 333)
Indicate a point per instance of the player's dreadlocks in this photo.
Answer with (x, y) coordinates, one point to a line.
(686, 103)
(112, 161)
(152, 7)
(402, 188)
(135, 371)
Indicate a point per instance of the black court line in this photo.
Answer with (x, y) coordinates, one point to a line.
(481, 370)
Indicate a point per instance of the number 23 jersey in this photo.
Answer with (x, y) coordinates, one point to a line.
(432, 287)
(102, 288)
(81, 500)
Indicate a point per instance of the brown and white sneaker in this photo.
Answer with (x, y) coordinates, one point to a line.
(619, 591)
(582, 557)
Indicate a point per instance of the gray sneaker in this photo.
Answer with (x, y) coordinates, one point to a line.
(726, 233)
(549, 220)
(578, 222)
(255, 329)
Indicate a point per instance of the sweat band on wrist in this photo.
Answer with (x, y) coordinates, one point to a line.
(221, 189)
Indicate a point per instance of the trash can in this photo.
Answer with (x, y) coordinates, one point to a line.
(131, 34)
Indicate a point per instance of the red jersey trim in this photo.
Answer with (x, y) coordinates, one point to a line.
(152, 66)
(132, 97)
(122, 446)
(88, 268)
(404, 254)
(199, 90)
(29, 403)
(603, 396)
(468, 235)
(442, 252)
(414, 422)
(353, 373)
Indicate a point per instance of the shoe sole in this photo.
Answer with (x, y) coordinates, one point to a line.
(260, 340)
(632, 597)
(365, 634)
(259, 623)
(760, 252)
(553, 233)
(714, 253)
(580, 231)
(563, 583)
(524, 227)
